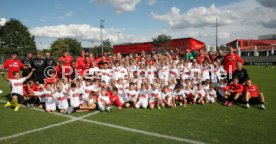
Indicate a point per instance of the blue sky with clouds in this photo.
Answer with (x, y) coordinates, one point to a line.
(140, 20)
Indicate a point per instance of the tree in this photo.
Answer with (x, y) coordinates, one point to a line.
(65, 44)
(161, 42)
(107, 47)
(14, 36)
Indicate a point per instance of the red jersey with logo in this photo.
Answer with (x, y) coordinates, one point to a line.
(67, 60)
(12, 66)
(230, 61)
(253, 90)
(235, 88)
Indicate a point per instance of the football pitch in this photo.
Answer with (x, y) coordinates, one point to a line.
(210, 123)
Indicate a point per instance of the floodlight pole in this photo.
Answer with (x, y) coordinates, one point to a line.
(102, 26)
(118, 35)
(216, 34)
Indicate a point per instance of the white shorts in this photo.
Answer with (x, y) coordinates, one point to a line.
(142, 103)
(51, 106)
(210, 99)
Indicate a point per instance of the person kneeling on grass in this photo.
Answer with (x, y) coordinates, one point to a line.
(252, 92)
(103, 101)
(17, 89)
(232, 92)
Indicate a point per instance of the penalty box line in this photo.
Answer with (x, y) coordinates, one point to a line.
(73, 119)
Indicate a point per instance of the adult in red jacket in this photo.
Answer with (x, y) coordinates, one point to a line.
(12, 65)
(230, 60)
(232, 92)
(252, 92)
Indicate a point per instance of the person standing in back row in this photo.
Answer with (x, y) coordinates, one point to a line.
(39, 64)
(49, 61)
(27, 64)
(229, 63)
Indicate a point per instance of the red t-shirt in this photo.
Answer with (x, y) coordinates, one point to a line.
(67, 60)
(238, 88)
(12, 66)
(84, 66)
(201, 58)
(253, 90)
(231, 60)
(79, 61)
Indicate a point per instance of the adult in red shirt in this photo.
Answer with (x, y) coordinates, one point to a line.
(12, 65)
(67, 60)
(252, 92)
(84, 66)
(202, 57)
(80, 59)
(230, 60)
(232, 92)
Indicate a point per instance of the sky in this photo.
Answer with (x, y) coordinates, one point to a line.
(128, 21)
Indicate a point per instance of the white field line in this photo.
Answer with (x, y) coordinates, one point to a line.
(72, 119)
(106, 125)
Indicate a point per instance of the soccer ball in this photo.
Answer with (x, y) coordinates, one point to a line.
(1, 91)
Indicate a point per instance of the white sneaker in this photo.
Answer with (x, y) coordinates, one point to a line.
(263, 106)
(247, 105)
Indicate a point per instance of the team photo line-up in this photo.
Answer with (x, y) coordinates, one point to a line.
(146, 80)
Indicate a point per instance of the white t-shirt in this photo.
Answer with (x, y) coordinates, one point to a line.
(17, 85)
(74, 98)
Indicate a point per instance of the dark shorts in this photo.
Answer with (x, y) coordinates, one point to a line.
(20, 97)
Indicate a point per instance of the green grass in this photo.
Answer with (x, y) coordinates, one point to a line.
(14, 122)
(211, 123)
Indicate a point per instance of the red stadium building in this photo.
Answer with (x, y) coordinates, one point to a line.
(252, 47)
(181, 43)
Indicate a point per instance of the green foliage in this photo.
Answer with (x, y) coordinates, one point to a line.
(161, 41)
(65, 44)
(107, 47)
(14, 36)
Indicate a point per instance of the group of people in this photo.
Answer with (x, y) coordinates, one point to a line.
(146, 80)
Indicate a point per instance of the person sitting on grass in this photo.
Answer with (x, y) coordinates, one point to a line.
(252, 92)
(46, 96)
(232, 92)
(74, 98)
(61, 98)
(90, 103)
(211, 94)
(103, 101)
(17, 89)
(199, 94)
(114, 98)
(167, 100)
